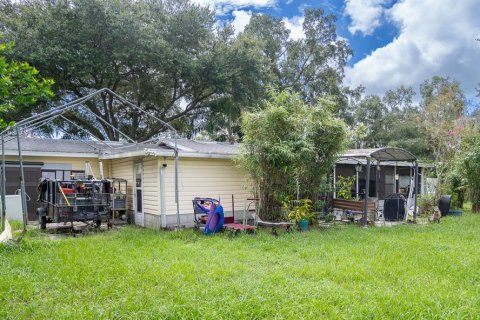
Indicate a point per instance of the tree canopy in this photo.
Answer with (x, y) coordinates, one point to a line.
(21, 88)
(172, 59)
(166, 56)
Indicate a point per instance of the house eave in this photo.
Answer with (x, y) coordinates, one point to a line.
(165, 153)
(52, 154)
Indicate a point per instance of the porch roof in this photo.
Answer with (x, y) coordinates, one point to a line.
(380, 154)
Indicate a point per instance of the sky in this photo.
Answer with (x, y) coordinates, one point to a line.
(395, 42)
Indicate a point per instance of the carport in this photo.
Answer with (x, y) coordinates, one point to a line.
(29, 125)
(375, 158)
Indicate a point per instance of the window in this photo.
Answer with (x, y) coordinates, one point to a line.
(62, 174)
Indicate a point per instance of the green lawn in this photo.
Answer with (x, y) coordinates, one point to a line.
(409, 271)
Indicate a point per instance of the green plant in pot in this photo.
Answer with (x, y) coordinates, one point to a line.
(302, 214)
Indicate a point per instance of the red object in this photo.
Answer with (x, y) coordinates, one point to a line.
(68, 190)
(229, 220)
(239, 226)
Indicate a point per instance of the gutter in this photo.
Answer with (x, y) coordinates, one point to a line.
(165, 153)
(52, 154)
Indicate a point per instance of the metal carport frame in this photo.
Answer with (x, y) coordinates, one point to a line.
(36, 121)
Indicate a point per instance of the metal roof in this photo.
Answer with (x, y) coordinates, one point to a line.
(200, 146)
(380, 154)
(53, 145)
(186, 148)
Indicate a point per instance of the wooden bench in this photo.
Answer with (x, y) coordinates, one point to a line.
(353, 205)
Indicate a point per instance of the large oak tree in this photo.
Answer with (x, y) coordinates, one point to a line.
(165, 56)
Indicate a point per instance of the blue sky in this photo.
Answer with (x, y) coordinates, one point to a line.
(396, 42)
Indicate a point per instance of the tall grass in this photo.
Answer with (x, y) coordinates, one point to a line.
(409, 271)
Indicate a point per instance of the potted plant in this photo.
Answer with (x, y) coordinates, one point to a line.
(344, 194)
(302, 214)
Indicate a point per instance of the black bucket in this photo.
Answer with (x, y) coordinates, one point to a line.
(444, 204)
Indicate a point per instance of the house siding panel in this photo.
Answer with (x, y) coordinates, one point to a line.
(123, 168)
(150, 186)
(215, 178)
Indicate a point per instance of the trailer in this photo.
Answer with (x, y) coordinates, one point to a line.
(74, 200)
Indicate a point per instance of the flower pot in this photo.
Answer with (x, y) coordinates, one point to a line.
(303, 224)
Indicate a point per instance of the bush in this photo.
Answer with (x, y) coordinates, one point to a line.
(289, 145)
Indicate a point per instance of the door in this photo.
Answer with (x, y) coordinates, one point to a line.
(138, 198)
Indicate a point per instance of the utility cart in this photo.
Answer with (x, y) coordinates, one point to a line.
(74, 200)
(117, 190)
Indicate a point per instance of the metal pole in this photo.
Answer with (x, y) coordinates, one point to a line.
(377, 181)
(334, 181)
(395, 178)
(22, 183)
(4, 191)
(367, 189)
(356, 186)
(416, 193)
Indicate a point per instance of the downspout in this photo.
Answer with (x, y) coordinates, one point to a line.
(100, 168)
(163, 213)
(176, 184)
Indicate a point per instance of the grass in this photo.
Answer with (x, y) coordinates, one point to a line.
(410, 271)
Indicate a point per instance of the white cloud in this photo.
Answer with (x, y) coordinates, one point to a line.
(294, 24)
(222, 7)
(365, 15)
(240, 20)
(434, 39)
